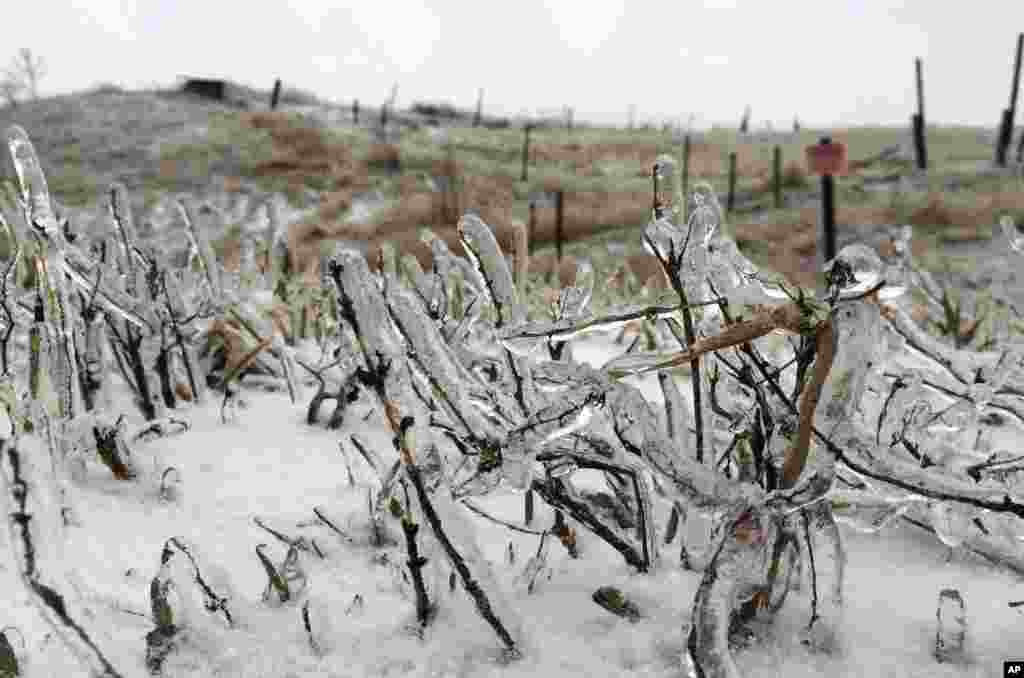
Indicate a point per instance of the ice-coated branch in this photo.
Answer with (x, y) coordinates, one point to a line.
(36, 548)
(483, 251)
(7, 285)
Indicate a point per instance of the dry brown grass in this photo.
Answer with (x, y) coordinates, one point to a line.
(383, 156)
(416, 209)
(790, 247)
(705, 158)
(302, 154)
(794, 175)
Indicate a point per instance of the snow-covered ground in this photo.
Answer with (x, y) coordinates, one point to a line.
(269, 464)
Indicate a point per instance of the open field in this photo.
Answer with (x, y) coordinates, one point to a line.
(160, 141)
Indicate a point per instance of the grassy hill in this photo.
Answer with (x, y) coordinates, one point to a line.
(162, 141)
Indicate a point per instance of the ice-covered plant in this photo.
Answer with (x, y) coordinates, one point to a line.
(793, 411)
(780, 445)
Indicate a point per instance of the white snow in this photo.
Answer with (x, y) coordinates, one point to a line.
(269, 464)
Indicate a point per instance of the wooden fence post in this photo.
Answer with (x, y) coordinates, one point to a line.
(918, 121)
(828, 211)
(1005, 137)
(533, 225)
(656, 203)
(526, 150)
(777, 175)
(686, 174)
(478, 117)
(731, 199)
(276, 95)
(559, 215)
(827, 159)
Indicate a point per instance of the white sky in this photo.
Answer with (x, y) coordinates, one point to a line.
(841, 62)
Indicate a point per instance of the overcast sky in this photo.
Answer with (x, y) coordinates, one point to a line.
(830, 62)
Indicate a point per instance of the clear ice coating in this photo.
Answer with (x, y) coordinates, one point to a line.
(483, 251)
(868, 513)
(866, 266)
(462, 535)
(434, 358)
(575, 415)
(951, 627)
(35, 192)
(952, 523)
(1013, 232)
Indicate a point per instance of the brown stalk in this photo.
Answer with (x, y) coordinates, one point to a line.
(787, 317)
(796, 459)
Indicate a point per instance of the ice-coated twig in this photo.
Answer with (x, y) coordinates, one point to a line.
(425, 610)
(572, 327)
(827, 560)
(469, 555)
(36, 547)
(504, 523)
(433, 357)
(485, 254)
(203, 249)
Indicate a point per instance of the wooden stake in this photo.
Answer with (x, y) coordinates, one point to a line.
(1006, 124)
(686, 174)
(918, 121)
(731, 200)
(533, 224)
(777, 175)
(828, 211)
(526, 150)
(276, 95)
(559, 213)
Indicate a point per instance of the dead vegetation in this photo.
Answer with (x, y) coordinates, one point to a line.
(789, 245)
(303, 154)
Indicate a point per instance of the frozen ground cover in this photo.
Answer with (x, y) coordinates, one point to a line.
(494, 493)
(268, 463)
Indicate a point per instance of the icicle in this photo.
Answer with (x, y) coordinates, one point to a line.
(951, 627)
(857, 326)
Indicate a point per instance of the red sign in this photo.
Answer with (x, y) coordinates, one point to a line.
(827, 158)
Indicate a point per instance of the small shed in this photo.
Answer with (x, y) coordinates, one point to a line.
(206, 88)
